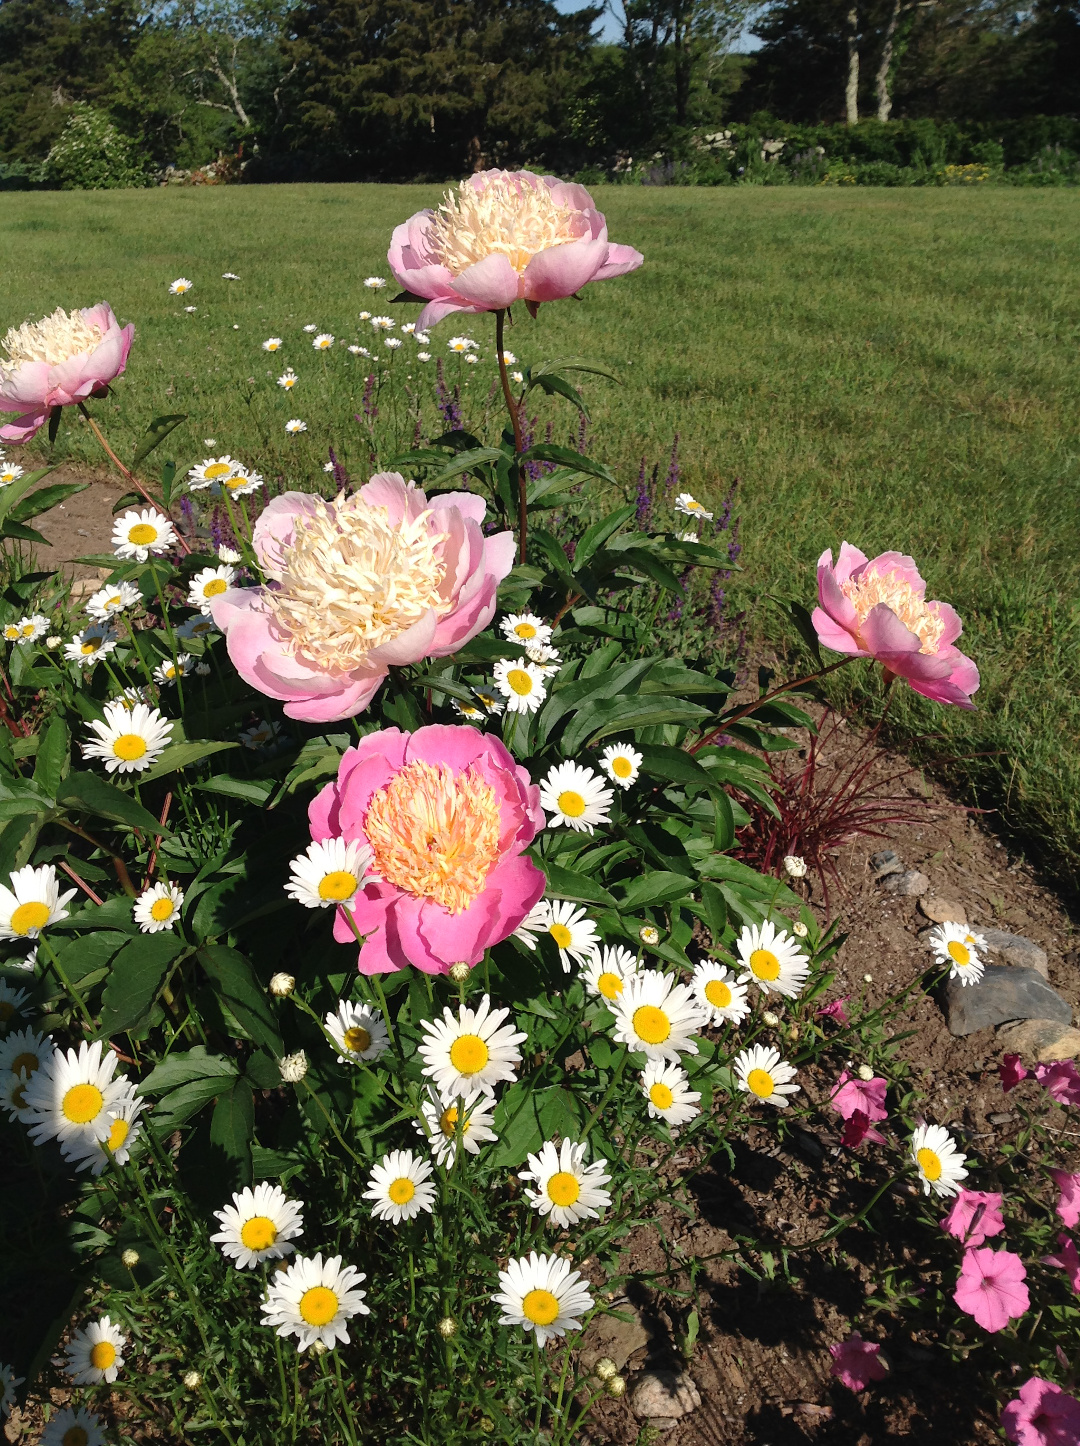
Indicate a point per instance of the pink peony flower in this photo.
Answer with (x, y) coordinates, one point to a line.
(1068, 1205)
(1066, 1259)
(857, 1129)
(834, 1010)
(381, 577)
(857, 1362)
(879, 610)
(975, 1215)
(63, 358)
(1043, 1415)
(852, 1093)
(447, 814)
(991, 1287)
(1011, 1071)
(1061, 1081)
(501, 237)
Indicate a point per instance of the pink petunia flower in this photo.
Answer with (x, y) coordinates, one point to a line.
(1042, 1415)
(447, 814)
(62, 359)
(857, 1129)
(501, 237)
(975, 1216)
(857, 1362)
(991, 1287)
(1066, 1259)
(879, 610)
(1011, 1071)
(852, 1093)
(1068, 1205)
(382, 577)
(834, 1010)
(1060, 1080)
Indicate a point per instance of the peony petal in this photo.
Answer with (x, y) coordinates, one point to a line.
(491, 284)
(561, 270)
(620, 260)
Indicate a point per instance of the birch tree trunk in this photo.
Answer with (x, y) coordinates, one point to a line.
(884, 99)
(851, 93)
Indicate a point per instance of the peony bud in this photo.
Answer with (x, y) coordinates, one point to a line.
(293, 1067)
(130, 1258)
(447, 1327)
(795, 866)
(282, 985)
(459, 973)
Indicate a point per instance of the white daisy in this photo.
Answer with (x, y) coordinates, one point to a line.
(469, 711)
(258, 1225)
(393, 342)
(376, 283)
(358, 1031)
(33, 627)
(12, 1002)
(956, 945)
(196, 627)
(295, 425)
(573, 931)
(359, 350)
(12, 633)
(158, 908)
(288, 379)
(517, 376)
(939, 1163)
(31, 902)
(719, 993)
(575, 796)
(9, 473)
(180, 285)
(108, 601)
(535, 922)
(125, 1127)
(492, 704)
(95, 1353)
(229, 276)
(666, 1088)
(293, 1067)
(470, 1052)
(525, 628)
(22, 1051)
(772, 960)
(543, 1294)
(27, 962)
(209, 583)
(656, 1015)
(521, 683)
(13, 1096)
(422, 338)
(91, 644)
(567, 1190)
(606, 973)
(242, 483)
(323, 342)
(761, 1072)
(461, 344)
(130, 739)
(173, 668)
(330, 873)
(546, 659)
(423, 356)
(8, 1381)
(71, 1096)
(476, 1115)
(190, 309)
(263, 734)
(365, 316)
(272, 343)
(399, 1188)
(228, 554)
(473, 360)
(78, 1427)
(311, 327)
(138, 534)
(621, 763)
(509, 358)
(690, 507)
(314, 1299)
(211, 472)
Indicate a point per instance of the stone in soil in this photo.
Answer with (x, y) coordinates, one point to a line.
(942, 911)
(616, 1339)
(908, 884)
(1005, 992)
(1039, 1041)
(664, 1397)
(1015, 949)
(886, 862)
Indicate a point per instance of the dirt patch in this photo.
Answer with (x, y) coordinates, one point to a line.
(82, 525)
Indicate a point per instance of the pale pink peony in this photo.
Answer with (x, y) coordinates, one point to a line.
(1068, 1205)
(975, 1216)
(879, 610)
(991, 1287)
(1066, 1259)
(857, 1362)
(63, 358)
(1042, 1415)
(852, 1093)
(447, 814)
(354, 585)
(501, 237)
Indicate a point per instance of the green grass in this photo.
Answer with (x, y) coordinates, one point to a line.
(897, 368)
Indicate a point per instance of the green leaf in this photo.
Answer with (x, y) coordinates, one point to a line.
(181, 1069)
(249, 790)
(596, 535)
(18, 530)
(231, 975)
(232, 1126)
(567, 457)
(571, 364)
(652, 567)
(46, 498)
(656, 888)
(135, 979)
(619, 715)
(714, 911)
(91, 794)
(81, 957)
(566, 883)
(675, 765)
(52, 758)
(156, 433)
(181, 755)
(556, 385)
(466, 462)
(804, 626)
(15, 491)
(182, 1103)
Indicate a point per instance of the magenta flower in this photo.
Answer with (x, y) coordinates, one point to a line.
(852, 1093)
(381, 577)
(857, 1129)
(879, 610)
(1068, 1260)
(834, 1010)
(1068, 1205)
(1042, 1415)
(447, 814)
(1011, 1071)
(63, 358)
(1061, 1081)
(501, 237)
(857, 1362)
(991, 1287)
(974, 1217)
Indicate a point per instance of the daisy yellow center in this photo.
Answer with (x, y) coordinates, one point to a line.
(240, 480)
(563, 1188)
(561, 934)
(929, 1163)
(401, 1190)
(764, 964)
(354, 580)
(75, 1436)
(34, 915)
(82, 1103)
(760, 1083)
(540, 1306)
(18, 1095)
(258, 1233)
(448, 1122)
(512, 216)
(161, 909)
(142, 534)
(7, 1009)
(661, 1096)
(718, 994)
(318, 1306)
(338, 886)
(54, 339)
(520, 681)
(651, 1024)
(90, 645)
(621, 767)
(357, 1039)
(130, 746)
(693, 506)
(525, 630)
(215, 587)
(102, 1355)
(959, 954)
(609, 985)
(28, 1062)
(469, 1054)
(118, 1134)
(11, 632)
(113, 602)
(571, 803)
(27, 630)
(907, 602)
(435, 833)
(217, 469)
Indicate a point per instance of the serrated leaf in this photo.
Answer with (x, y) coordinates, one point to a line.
(156, 433)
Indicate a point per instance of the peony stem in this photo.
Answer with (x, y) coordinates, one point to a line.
(749, 708)
(515, 422)
(100, 435)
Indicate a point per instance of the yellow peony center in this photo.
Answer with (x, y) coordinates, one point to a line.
(215, 587)
(142, 534)
(540, 1306)
(609, 985)
(357, 1039)
(401, 1190)
(959, 954)
(661, 1096)
(118, 1134)
(469, 1054)
(512, 216)
(75, 1436)
(448, 1122)
(718, 994)
(217, 469)
(520, 681)
(621, 766)
(760, 1083)
(571, 804)
(82, 1103)
(24, 1062)
(764, 964)
(258, 1233)
(563, 1188)
(318, 1306)
(435, 833)
(929, 1163)
(338, 886)
(651, 1024)
(525, 631)
(162, 909)
(54, 339)
(32, 915)
(907, 602)
(102, 1355)
(129, 747)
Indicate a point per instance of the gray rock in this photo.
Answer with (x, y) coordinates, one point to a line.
(614, 1338)
(664, 1396)
(1015, 949)
(886, 862)
(1039, 1041)
(908, 884)
(1005, 992)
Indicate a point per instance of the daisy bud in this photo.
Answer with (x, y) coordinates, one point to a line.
(868, 979)
(487, 1425)
(320, 1348)
(800, 930)
(293, 1067)
(771, 1019)
(192, 1380)
(616, 1387)
(865, 1072)
(53, 642)
(282, 985)
(605, 1369)
(459, 973)
(447, 1327)
(794, 866)
(648, 935)
(793, 1031)
(130, 1258)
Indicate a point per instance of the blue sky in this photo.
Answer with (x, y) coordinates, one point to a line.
(610, 31)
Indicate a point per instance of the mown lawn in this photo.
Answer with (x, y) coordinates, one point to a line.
(897, 368)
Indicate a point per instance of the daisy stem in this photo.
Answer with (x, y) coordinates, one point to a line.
(67, 982)
(333, 1124)
(242, 537)
(515, 421)
(537, 1372)
(344, 1400)
(179, 679)
(624, 1056)
(138, 651)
